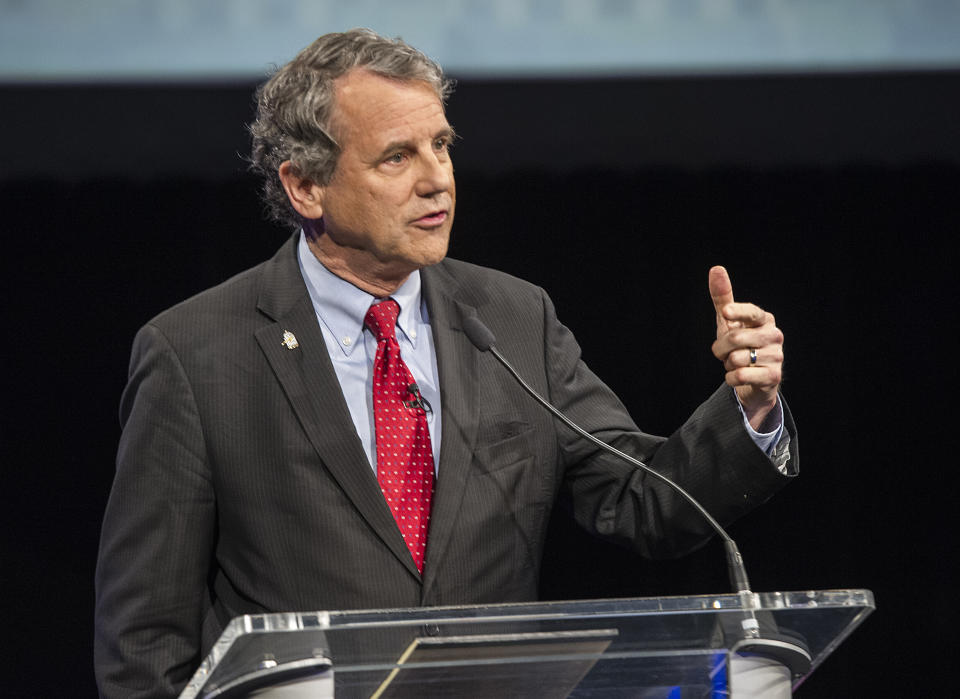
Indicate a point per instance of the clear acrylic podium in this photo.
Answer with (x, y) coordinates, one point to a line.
(676, 647)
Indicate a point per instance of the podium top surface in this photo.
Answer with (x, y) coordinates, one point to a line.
(367, 643)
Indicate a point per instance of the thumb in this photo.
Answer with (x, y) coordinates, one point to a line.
(721, 291)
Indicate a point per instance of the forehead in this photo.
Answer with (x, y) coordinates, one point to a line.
(372, 109)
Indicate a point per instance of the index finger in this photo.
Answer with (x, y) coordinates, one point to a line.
(721, 291)
(747, 313)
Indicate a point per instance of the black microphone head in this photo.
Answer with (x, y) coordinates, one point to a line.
(479, 334)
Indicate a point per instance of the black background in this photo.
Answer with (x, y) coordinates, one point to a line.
(832, 200)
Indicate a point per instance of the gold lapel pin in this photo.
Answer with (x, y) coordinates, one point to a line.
(290, 340)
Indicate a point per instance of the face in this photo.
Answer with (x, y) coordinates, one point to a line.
(388, 209)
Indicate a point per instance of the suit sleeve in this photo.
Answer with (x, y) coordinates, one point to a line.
(711, 456)
(158, 533)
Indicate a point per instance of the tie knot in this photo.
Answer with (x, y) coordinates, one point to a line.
(381, 318)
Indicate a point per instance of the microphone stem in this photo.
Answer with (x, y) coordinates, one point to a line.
(737, 570)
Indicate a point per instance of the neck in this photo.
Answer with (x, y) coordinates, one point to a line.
(358, 267)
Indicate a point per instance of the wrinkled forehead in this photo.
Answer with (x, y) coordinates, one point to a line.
(370, 107)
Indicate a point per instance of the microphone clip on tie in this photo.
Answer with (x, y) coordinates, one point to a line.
(417, 400)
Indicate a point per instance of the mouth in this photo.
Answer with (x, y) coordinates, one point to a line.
(432, 219)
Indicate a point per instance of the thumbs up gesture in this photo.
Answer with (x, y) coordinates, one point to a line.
(750, 345)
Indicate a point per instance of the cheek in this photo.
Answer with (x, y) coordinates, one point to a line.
(398, 197)
(382, 202)
(368, 210)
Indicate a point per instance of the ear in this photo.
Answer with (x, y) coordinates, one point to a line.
(305, 195)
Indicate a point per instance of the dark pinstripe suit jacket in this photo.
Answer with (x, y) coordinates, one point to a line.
(242, 486)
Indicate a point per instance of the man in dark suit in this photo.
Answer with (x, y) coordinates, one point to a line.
(251, 470)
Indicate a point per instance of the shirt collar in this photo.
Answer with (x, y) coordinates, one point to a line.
(341, 306)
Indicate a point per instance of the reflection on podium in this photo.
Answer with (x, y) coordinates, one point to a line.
(643, 647)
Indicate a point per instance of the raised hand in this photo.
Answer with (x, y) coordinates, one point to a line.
(750, 345)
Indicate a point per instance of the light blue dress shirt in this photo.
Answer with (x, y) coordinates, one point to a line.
(767, 441)
(341, 308)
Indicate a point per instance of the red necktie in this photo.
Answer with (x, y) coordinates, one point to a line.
(404, 454)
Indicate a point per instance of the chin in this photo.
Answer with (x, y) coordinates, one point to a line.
(432, 252)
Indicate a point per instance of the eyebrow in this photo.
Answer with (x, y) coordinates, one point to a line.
(394, 146)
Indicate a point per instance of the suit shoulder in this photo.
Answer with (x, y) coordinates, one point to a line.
(206, 310)
(478, 280)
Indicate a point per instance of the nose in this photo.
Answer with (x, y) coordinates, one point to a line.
(436, 174)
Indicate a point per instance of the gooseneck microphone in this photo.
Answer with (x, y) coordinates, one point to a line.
(484, 340)
(775, 648)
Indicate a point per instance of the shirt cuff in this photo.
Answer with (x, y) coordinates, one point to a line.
(767, 441)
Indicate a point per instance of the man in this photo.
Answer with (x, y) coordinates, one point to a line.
(257, 468)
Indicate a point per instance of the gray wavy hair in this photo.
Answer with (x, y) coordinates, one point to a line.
(295, 107)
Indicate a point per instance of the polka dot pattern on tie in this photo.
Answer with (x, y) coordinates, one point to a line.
(404, 452)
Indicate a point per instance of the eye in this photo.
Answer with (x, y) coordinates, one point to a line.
(396, 159)
(441, 144)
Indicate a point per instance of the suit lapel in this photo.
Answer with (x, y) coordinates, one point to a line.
(310, 383)
(457, 368)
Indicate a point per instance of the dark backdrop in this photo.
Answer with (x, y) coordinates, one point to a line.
(831, 200)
